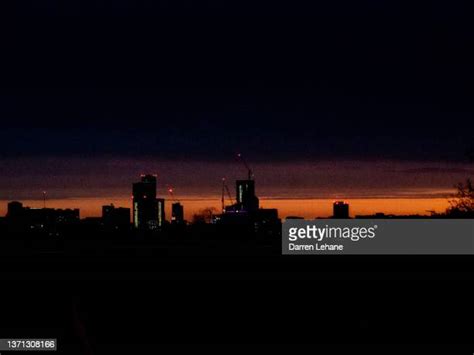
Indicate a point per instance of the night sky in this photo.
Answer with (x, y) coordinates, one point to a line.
(188, 81)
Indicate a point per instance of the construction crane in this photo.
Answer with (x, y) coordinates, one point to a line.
(249, 171)
(225, 189)
(171, 193)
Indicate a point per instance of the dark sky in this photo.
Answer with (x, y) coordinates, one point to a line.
(202, 80)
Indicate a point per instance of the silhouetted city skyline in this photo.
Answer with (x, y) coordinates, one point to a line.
(335, 107)
(303, 188)
(147, 212)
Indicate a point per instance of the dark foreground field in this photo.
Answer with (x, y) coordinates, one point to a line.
(132, 296)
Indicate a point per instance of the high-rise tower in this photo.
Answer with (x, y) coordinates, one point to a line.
(145, 204)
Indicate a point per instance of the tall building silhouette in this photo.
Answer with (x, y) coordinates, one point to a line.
(246, 198)
(161, 211)
(340, 209)
(148, 211)
(177, 213)
(246, 212)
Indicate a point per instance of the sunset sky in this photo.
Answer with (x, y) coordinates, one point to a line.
(368, 102)
(296, 188)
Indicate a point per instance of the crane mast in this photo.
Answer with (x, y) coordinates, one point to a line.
(225, 189)
(249, 171)
(171, 193)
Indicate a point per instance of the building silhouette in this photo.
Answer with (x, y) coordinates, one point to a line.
(340, 209)
(177, 213)
(247, 212)
(246, 198)
(161, 212)
(46, 219)
(14, 209)
(148, 211)
(115, 218)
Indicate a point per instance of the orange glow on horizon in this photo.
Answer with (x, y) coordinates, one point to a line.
(307, 208)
